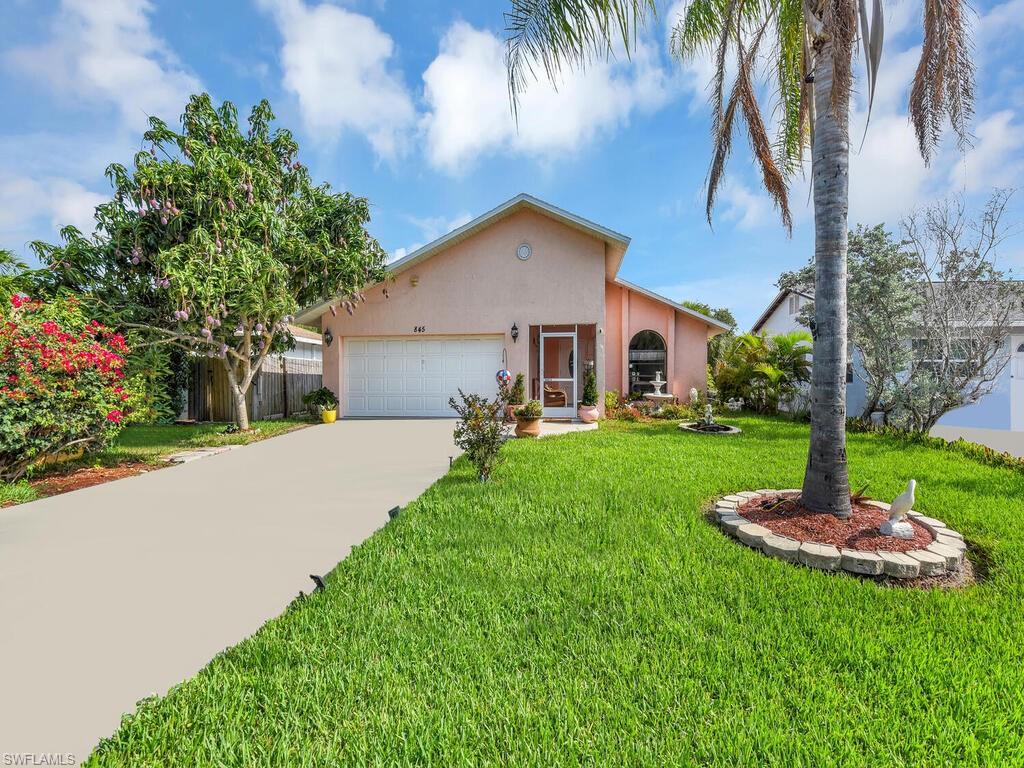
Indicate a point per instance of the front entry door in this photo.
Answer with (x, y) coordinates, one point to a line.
(558, 373)
(1017, 383)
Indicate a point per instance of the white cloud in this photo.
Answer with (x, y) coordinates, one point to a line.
(28, 203)
(994, 160)
(740, 204)
(340, 66)
(431, 228)
(105, 53)
(468, 114)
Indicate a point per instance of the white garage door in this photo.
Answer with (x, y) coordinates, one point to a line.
(415, 377)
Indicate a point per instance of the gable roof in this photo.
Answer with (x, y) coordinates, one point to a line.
(779, 298)
(616, 242)
(718, 324)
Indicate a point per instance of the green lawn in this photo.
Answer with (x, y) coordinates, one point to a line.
(580, 609)
(152, 442)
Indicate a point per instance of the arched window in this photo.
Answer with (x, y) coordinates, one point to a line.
(646, 357)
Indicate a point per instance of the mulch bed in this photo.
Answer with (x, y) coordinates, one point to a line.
(859, 531)
(51, 485)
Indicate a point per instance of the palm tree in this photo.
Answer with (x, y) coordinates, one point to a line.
(809, 46)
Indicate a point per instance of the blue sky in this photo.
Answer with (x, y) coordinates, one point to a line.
(405, 103)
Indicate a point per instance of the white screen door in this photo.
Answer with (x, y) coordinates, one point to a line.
(558, 373)
(1017, 384)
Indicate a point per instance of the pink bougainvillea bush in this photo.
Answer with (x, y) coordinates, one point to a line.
(61, 380)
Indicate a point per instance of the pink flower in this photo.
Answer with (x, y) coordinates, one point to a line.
(17, 301)
(115, 416)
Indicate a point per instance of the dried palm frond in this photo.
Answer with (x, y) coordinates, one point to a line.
(944, 80)
(840, 20)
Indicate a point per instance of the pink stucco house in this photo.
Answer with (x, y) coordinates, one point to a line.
(528, 287)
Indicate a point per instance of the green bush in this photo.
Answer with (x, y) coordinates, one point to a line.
(532, 410)
(61, 382)
(590, 389)
(518, 394)
(611, 401)
(320, 400)
(479, 431)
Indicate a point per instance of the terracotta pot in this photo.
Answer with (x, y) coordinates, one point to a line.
(588, 413)
(527, 427)
(330, 416)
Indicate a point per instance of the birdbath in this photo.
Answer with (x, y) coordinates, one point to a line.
(657, 396)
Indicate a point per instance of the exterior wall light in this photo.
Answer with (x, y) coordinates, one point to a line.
(515, 332)
(328, 337)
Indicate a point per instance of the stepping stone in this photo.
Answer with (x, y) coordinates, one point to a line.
(781, 547)
(952, 557)
(879, 504)
(823, 556)
(752, 534)
(951, 532)
(857, 561)
(765, 492)
(899, 565)
(724, 503)
(949, 541)
(931, 563)
(732, 524)
(734, 497)
(748, 494)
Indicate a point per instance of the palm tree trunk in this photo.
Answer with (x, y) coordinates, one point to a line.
(826, 483)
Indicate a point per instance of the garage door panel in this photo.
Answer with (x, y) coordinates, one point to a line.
(415, 377)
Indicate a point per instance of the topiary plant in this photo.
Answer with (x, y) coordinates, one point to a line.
(518, 394)
(532, 410)
(590, 389)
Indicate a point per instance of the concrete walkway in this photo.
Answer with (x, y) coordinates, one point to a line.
(114, 592)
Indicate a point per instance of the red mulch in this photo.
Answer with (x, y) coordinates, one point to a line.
(51, 485)
(859, 531)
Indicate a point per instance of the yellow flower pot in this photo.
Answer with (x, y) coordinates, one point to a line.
(329, 417)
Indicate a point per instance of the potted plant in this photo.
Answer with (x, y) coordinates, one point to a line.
(588, 403)
(528, 419)
(515, 396)
(324, 402)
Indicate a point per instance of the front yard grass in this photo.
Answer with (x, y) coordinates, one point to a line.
(580, 609)
(137, 444)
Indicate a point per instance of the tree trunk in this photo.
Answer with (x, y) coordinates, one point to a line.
(826, 483)
(238, 397)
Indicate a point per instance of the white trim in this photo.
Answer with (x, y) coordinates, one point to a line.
(568, 411)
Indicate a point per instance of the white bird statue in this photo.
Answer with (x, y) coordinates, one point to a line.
(897, 524)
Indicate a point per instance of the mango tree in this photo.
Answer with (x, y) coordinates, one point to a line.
(215, 238)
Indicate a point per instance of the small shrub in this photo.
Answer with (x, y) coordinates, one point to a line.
(590, 389)
(532, 410)
(518, 394)
(320, 400)
(674, 412)
(611, 402)
(479, 431)
(61, 382)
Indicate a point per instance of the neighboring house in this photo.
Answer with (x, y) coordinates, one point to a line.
(1001, 409)
(528, 287)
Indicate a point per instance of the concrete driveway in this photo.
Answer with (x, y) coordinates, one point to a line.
(114, 592)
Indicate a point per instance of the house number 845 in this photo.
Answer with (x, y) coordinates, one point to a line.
(419, 329)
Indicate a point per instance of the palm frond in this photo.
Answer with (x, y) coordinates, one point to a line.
(840, 20)
(944, 80)
(872, 34)
(559, 33)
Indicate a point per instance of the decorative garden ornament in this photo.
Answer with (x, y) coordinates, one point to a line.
(897, 525)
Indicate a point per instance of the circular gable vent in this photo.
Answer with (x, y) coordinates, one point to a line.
(524, 251)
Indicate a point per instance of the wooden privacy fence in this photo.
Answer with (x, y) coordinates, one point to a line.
(276, 391)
